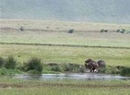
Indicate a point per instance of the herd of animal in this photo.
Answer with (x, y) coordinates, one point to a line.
(93, 66)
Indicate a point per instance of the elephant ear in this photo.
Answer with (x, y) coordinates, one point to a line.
(86, 65)
(89, 60)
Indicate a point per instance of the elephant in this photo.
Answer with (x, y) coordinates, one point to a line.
(91, 64)
(101, 63)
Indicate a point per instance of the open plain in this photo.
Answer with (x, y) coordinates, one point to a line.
(52, 43)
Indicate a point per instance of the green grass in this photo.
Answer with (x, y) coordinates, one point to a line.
(63, 54)
(64, 91)
(4, 71)
(63, 87)
(62, 47)
(64, 38)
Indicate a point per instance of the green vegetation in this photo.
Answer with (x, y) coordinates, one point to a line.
(103, 30)
(121, 31)
(2, 61)
(65, 54)
(58, 87)
(8, 66)
(85, 34)
(9, 72)
(71, 31)
(21, 28)
(125, 71)
(47, 47)
(34, 65)
(10, 63)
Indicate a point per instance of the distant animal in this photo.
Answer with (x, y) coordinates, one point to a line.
(101, 63)
(91, 64)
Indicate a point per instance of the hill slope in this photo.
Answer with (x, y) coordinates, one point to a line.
(115, 11)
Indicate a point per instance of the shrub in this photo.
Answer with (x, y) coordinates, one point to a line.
(34, 64)
(121, 31)
(71, 67)
(10, 63)
(22, 29)
(82, 69)
(103, 30)
(118, 31)
(125, 71)
(102, 70)
(56, 68)
(68, 67)
(71, 31)
(2, 61)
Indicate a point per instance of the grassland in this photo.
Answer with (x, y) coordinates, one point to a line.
(56, 32)
(63, 87)
(64, 54)
(50, 41)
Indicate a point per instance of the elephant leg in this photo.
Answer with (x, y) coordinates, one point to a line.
(96, 70)
(91, 70)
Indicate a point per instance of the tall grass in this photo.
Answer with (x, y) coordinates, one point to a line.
(60, 54)
(125, 71)
(33, 65)
(2, 61)
(10, 63)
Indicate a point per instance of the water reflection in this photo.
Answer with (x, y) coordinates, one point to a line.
(86, 76)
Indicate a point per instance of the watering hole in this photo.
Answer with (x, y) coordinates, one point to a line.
(74, 76)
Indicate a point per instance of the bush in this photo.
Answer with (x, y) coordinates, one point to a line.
(10, 63)
(68, 67)
(103, 30)
(2, 61)
(71, 67)
(22, 29)
(110, 70)
(34, 64)
(121, 31)
(82, 69)
(56, 68)
(125, 71)
(102, 70)
(118, 31)
(71, 31)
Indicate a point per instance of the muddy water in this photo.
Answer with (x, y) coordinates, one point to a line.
(74, 76)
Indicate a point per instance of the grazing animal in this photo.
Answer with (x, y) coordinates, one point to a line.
(91, 64)
(101, 63)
